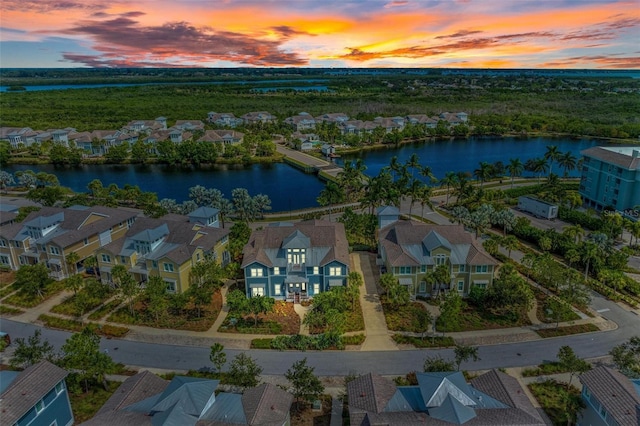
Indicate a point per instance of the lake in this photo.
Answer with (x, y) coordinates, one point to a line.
(289, 188)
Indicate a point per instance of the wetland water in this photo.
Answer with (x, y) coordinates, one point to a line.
(289, 188)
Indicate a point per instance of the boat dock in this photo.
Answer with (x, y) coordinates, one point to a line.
(325, 170)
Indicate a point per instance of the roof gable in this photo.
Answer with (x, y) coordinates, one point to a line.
(296, 240)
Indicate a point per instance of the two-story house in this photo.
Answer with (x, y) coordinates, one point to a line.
(223, 137)
(300, 122)
(610, 399)
(295, 261)
(258, 117)
(224, 119)
(49, 236)
(410, 250)
(168, 247)
(36, 396)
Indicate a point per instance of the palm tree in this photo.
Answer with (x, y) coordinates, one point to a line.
(552, 154)
(568, 162)
(330, 195)
(413, 163)
(425, 198)
(538, 166)
(575, 232)
(426, 172)
(483, 172)
(394, 166)
(72, 260)
(515, 168)
(449, 180)
(413, 191)
(510, 243)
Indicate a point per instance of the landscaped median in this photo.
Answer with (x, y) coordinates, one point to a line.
(567, 330)
(317, 342)
(77, 326)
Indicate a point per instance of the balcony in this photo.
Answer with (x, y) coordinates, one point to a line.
(294, 297)
(296, 267)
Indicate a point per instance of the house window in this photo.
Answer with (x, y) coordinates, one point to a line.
(423, 268)
(3, 243)
(316, 270)
(4, 259)
(154, 264)
(54, 250)
(335, 271)
(197, 257)
(16, 243)
(106, 258)
(461, 268)
(86, 241)
(39, 406)
(168, 267)
(257, 291)
(440, 259)
(59, 388)
(316, 288)
(256, 272)
(423, 287)
(276, 270)
(480, 285)
(405, 270)
(460, 285)
(481, 269)
(123, 259)
(171, 286)
(22, 260)
(304, 287)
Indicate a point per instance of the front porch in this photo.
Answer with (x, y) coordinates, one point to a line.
(297, 297)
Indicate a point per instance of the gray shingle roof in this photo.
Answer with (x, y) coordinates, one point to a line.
(615, 392)
(28, 388)
(612, 157)
(329, 238)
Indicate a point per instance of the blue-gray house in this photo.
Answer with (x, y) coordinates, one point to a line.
(610, 398)
(295, 261)
(36, 396)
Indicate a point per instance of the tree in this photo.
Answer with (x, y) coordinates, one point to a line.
(395, 293)
(31, 351)
(515, 169)
(483, 172)
(330, 195)
(451, 310)
(571, 363)
(91, 262)
(567, 161)
(74, 283)
(126, 285)
(438, 364)
(6, 179)
(305, 386)
(439, 278)
(33, 279)
(449, 180)
(465, 353)
(244, 371)
(155, 292)
(72, 260)
(259, 305)
(217, 356)
(552, 154)
(510, 243)
(354, 282)
(81, 354)
(626, 357)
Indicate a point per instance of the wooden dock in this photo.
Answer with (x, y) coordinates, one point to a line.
(325, 170)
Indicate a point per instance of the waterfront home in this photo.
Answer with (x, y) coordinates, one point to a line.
(224, 137)
(410, 250)
(610, 398)
(304, 141)
(611, 178)
(422, 120)
(146, 399)
(18, 136)
(491, 399)
(36, 396)
(51, 234)
(389, 124)
(300, 122)
(335, 117)
(8, 214)
(258, 117)
(295, 261)
(190, 125)
(167, 247)
(454, 119)
(145, 126)
(357, 127)
(223, 119)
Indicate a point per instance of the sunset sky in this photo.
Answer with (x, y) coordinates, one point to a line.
(320, 33)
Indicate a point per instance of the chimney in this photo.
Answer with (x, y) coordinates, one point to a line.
(635, 153)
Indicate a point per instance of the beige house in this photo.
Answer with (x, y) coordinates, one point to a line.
(167, 247)
(51, 234)
(410, 250)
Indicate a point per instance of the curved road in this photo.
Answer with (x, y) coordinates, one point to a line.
(337, 363)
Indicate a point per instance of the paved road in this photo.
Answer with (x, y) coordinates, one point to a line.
(335, 363)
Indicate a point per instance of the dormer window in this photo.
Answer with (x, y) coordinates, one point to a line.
(440, 259)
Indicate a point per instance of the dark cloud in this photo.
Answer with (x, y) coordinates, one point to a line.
(604, 61)
(44, 6)
(122, 40)
(536, 34)
(622, 23)
(461, 33)
(589, 35)
(288, 32)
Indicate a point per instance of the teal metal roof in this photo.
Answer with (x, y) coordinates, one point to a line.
(452, 411)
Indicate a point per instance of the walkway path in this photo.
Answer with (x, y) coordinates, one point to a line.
(377, 334)
(314, 163)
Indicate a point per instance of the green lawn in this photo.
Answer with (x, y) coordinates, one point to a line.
(85, 405)
(558, 402)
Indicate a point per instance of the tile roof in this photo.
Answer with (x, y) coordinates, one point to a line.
(615, 392)
(266, 405)
(29, 387)
(136, 388)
